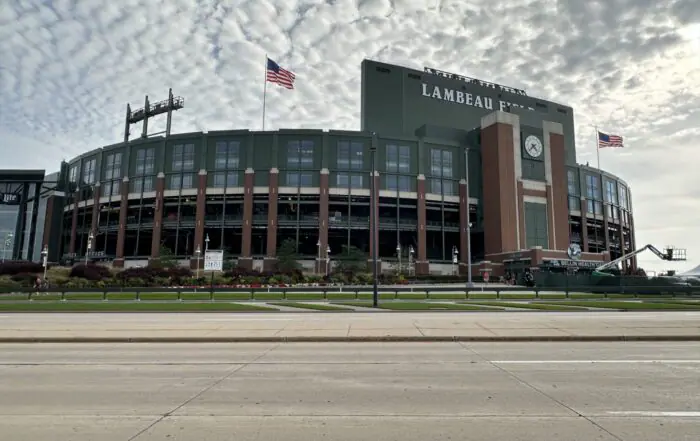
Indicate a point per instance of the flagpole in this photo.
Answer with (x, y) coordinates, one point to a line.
(597, 145)
(264, 93)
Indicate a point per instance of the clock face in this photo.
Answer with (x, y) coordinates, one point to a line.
(533, 146)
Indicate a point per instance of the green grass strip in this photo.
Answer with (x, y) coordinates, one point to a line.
(128, 307)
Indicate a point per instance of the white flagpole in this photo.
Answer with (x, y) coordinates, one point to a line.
(597, 145)
(264, 93)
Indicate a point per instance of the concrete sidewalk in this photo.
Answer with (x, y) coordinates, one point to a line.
(324, 327)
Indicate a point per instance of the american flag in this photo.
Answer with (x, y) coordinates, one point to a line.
(275, 74)
(606, 140)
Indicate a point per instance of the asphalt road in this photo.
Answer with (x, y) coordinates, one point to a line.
(351, 391)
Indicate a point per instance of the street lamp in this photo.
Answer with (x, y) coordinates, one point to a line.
(470, 284)
(398, 253)
(455, 253)
(89, 247)
(318, 257)
(45, 260)
(7, 244)
(328, 260)
(198, 253)
(206, 243)
(373, 218)
(411, 251)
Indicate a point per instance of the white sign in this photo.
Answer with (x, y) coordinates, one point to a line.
(470, 99)
(452, 76)
(214, 260)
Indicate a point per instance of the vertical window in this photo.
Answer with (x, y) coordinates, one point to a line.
(398, 160)
(300, 154)
(227, 159)
(73, 174)
(183, 157)
(295, 179)
(593, 195)
(441, 172)
(350, 156)
(572, 184)
(623, 198)
(145, 161)
(89, 171)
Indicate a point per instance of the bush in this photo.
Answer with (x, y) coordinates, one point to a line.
(90, 272)
(24, 279)
(11, 268)
(155, 275)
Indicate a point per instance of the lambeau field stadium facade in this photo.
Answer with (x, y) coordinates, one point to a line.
(521, 204)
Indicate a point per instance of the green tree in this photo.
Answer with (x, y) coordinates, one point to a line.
(351, 260)
(287, 256)
(166, 259)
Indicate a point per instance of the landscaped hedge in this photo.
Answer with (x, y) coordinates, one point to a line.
(14, 267)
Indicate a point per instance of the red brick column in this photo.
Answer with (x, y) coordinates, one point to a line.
(422, 264)
(121, 234)
(374, 219)
(94, 226)
(270, 261)
(74, 224)
(158, 216)
(246, 259)
(200, 219)
(557, 187)
(323, 220)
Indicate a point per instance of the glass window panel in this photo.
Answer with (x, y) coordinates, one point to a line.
(356, 156)
(404, 159)
(446, 164)
(187, 181)
(343, 155)
(342, 180)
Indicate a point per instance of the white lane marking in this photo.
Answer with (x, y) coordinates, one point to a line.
(657, 413)
(595, 361)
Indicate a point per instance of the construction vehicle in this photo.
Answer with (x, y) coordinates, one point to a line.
(670, 254)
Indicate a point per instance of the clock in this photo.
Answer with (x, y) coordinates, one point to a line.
(533, 146)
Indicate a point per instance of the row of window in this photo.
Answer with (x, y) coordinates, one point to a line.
(614, 194)
(596, 208)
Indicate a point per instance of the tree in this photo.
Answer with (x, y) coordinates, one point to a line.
(287, 257)
(352, 260)
(166, 259)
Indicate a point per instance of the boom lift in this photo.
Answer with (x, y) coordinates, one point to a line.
(671, 254)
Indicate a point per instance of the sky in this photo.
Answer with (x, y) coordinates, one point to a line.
(631, 67)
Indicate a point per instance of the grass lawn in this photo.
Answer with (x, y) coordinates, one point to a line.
(421, 306)
(541, 306)
(310, 306)
(649, 306)
(75, 306)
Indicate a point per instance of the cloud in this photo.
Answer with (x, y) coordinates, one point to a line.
(632, 67)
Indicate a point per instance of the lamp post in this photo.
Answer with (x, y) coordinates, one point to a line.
(198, 253)
(206, 243)
(455, 253)
(398, 253)
(7, 244)
(89, 247)
(410, 260)
(45, 259)
(470, 284)
(373, 227)
(318, 257)
(328, 260)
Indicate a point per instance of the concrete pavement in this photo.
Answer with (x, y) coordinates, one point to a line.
(333, 391)
(407, 326)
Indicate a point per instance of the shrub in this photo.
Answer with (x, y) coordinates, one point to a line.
(90, 272)
(11, 268)
(24, 279)
(154, 275)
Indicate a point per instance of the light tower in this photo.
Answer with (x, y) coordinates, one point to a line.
(149, 110)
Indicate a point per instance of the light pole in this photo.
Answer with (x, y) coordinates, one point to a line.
(470, 284)
(89, 247)
(328, 260)
(206, 243)
(318, 257)
(7, 244)
(398, 253)
(455, 253)
(373, 227)
(45, 259)
(198, 253)
(410, 260)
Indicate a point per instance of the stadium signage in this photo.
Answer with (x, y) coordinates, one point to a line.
(470, 99)
(451, 76)
(9, 199)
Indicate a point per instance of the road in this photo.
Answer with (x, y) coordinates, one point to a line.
(213, 326)
(351, 391)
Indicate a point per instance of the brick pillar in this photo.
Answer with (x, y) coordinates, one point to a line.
(121, 234)
(501, 163)
(374, 235)
(323, 221)
(422, 264)
(246, 259)
(74, 224)
(158, 216)
(270, 261)
(94, 226)
(463, 220)
(200, 220)
(557, 186)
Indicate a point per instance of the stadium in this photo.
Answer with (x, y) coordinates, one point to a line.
(458, 165)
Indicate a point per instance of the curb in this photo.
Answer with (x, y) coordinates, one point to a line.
(359, 339)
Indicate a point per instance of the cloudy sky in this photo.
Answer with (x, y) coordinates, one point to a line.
(68, 68)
